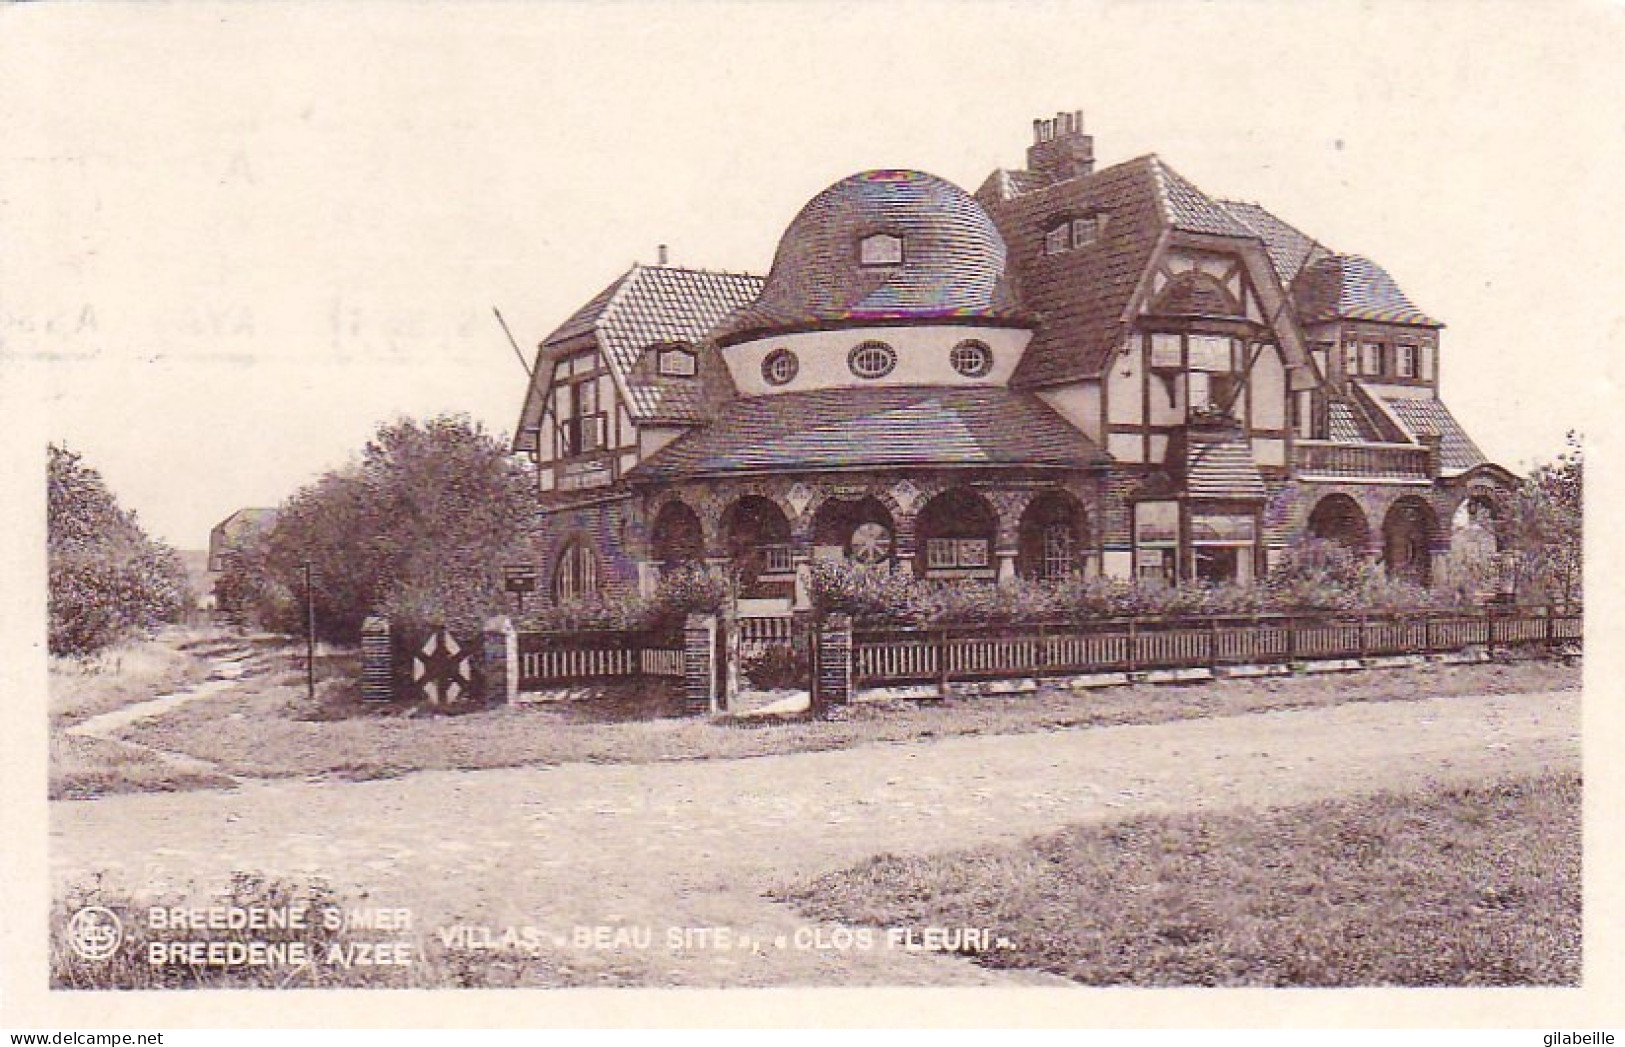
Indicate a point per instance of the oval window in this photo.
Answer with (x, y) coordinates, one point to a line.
(972, 359)
(780, 367)
(872, 359)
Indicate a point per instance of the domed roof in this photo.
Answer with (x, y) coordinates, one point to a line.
(952, 263)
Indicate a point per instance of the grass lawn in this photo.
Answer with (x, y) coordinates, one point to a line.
(133, 671)
(265, 727)
(85, 768)
(1471, 885)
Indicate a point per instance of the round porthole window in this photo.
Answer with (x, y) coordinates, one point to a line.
(872, 359)
(972, 359)
(871, 543)
(780, 367)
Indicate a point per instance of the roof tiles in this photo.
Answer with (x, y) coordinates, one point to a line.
(879, 427)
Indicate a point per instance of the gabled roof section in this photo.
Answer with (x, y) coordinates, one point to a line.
(1425, 416)
(1190, 210)
(1083, 297)
(647, 305)
(1352, 287)
(875, 428)
(1289, 248)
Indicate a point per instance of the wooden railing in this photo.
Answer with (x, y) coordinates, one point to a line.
(891, 656)
(1387, 461)
(548, 659)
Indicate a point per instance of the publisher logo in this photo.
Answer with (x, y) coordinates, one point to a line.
(95, 933)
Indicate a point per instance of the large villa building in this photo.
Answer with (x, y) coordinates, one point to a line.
(1069, 371)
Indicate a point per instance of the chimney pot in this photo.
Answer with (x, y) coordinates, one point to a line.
(1038, 131)
(662, 254)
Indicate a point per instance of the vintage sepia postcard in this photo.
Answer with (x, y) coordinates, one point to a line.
(635, 506)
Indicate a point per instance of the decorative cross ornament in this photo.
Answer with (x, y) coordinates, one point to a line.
(441, 669)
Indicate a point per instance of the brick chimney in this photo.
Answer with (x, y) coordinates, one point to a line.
(1060, 149)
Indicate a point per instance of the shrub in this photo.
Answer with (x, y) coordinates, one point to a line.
(107, 578)
(777, 667)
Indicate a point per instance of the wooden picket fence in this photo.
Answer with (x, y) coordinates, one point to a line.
(552, 659)
(897, 656)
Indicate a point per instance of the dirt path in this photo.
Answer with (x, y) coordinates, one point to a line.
(227, 666)
(697, 844)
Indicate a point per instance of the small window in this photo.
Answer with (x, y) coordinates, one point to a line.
(872, 359)
(1427, 362)
(1371, 358)
(780, 367)
(1058, 239)
(881, 249)
(1086, 231)
(678, 361)
(1351, 359)
(1407, 361)
(972, 359)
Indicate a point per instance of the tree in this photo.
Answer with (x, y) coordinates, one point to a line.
(417, 528)
(107, 578)
(1545, 525)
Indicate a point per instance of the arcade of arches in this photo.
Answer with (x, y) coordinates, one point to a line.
(954, 532)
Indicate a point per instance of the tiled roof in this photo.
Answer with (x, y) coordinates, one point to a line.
(1344, 423)
(953, 259)
(1427, 416)
(1221, 467)
(1080, 296)
(1350, 287)
(1190, 209)
(647, 305)
(875, 428)
(1289, 248)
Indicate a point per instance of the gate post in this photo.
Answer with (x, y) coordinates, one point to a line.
(377, 660)
(834, 668)
(700, 663)
(499, 660)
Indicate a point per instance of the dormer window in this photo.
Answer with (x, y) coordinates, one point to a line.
(1069, 234)
(1086, 231)
(676, 361)
(881, 249)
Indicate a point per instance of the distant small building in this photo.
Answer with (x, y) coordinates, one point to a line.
(230, 534)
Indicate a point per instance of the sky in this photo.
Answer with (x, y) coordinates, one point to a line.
(234, 239)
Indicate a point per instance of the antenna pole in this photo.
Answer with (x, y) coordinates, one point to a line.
(511, 340)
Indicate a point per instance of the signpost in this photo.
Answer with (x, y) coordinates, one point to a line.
(310, 636)
(519, 579)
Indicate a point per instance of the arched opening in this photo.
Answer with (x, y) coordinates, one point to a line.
(1407, 540)
(677, 537)
(759, 544)
(575, 574)
(861, 531)
(1477, 524)
(1339, 518)
(1054, 537)
(955, 535)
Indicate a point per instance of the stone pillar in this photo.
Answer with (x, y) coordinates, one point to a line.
(803, 593)
(377, 660)
(700, 663)
(1007, 564)
(833, 673)
(499, 660)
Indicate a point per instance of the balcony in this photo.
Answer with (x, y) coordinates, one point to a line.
(1322, 459)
